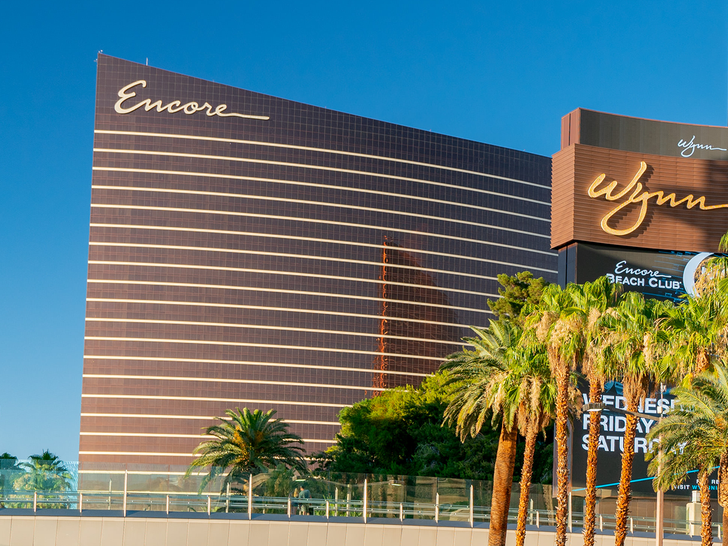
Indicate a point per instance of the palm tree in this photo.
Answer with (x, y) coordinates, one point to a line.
(46, 474)
(9, 470)
(479, 376)
(593, 301)
(697, 333)
(534, 395)
(694, 435)
(635, 330)
(561, 329)
(247, 443)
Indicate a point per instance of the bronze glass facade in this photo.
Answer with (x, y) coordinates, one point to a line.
(271, 254)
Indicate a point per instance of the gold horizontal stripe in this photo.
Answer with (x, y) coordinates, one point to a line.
(286, 273)
(318, 221)
(204, 399)
(270, 345)
(266, 308)
(321, 186)
(238, 233)
(342, 206)
(143, 435)
(306, 257)
(272, 327)
(138, 454)
(197, 418)
(251, 363)
(330, 151)
(278, 291)
(220, 380)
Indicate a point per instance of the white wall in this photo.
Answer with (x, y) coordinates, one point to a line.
(135, 531)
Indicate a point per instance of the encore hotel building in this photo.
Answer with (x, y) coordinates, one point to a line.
(250, 251)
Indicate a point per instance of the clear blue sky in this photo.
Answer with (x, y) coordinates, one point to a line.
(497, 72)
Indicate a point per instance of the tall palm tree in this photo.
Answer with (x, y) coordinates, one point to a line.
(480, 375)
(635, 329)
(694, 435)
(561, 329)
(594, 301)
(247, 442)
(534, 397)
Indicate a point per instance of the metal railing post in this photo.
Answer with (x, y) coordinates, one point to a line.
(401, 512)
(437, 507)
(209, 505)
(631, 525)
(35, 501)
(250, 497)
(601, 523)
(571, 528)
(530, 512)
(166, 507)
(365, 499)
(126, 484)
(538, 519)
(80, 503)
(327, 508)
(472, 514)
(227, 500)
(289, 508)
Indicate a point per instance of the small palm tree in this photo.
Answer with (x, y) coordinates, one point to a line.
(46, 474)
(247, 443)
(694, 435)
(9, 471)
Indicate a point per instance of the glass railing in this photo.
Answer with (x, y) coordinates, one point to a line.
(129, 488)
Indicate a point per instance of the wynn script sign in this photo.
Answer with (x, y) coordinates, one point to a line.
(688, 147)
(174, 106)
(632, 194)
(631, 199)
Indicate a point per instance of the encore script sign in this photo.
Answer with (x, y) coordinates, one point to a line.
(637, 196)
(174, 106)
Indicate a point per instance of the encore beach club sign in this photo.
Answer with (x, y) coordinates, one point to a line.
(126, 106)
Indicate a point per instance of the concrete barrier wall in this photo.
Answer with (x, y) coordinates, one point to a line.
(138, 531)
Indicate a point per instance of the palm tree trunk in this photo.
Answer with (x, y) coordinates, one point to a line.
(623, 497)
(590, 502)
(723, 488)
(706, 512)
(526, 473)
(505, 460)
(562, 449)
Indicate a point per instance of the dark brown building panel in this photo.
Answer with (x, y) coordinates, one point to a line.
(654, 185)
(640, 220)
(275, 255)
